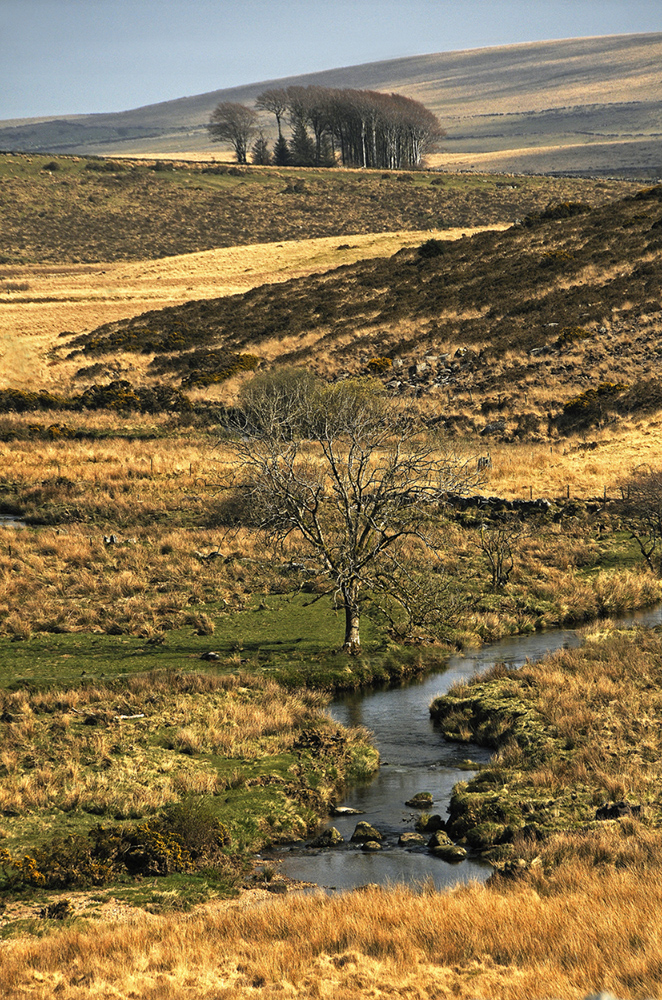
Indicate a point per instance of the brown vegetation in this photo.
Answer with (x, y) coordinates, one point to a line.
(132, 210)
(492, 322)
(589, 925)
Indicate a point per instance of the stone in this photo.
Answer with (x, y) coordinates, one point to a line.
(428, 824)
(410, 839)
(371, 845)
(615, 810)
(439, 839)
(364, 831)
(328, 838)
(344, 811)
(452, 853)
(422, 800)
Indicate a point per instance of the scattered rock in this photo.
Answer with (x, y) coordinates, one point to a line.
(210, 656)
(422, 800)
(410, 839)
(371, 845)
(366, 832)
(443, 847)
(328, 838)
(344, 811)
(615, 810)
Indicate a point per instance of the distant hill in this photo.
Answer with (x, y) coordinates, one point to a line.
(578, 105)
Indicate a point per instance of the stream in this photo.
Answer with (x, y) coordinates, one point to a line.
(414, 758)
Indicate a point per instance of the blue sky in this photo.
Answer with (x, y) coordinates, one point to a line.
(79, 56)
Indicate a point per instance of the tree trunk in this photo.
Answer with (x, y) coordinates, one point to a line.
(352, 643)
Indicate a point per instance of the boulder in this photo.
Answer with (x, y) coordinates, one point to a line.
(371, 845)
(328, 838)
(428, 824)
(366, 832)
(344, 811)
(410, 839)
(422, 800)
(439, 839)
(441, 845)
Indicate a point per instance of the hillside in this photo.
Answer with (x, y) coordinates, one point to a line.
(590, 104)
(83, 211)
(500, 331)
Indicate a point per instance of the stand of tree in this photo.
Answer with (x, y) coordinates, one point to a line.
(356, 128)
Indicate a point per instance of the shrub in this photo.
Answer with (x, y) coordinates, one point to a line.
(564, 210)
(432, 248)
(572, 335)
(185, 837)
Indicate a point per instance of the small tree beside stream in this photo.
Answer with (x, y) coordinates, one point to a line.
(355, 481)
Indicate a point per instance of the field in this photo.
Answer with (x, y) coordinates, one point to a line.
(164, 669)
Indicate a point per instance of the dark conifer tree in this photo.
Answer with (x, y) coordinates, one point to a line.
(302, 147)
(281, 152)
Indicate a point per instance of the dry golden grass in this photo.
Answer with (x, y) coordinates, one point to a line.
(584, 928)
(51, 759)
(79, 297)
(548, 469)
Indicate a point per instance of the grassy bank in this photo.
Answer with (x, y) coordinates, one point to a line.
(588, 927)
(106, 782)
(572, 734)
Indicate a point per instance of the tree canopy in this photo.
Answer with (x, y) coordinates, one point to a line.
(358, 128)
(233, 123)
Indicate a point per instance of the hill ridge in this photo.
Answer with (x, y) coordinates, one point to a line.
(589, 73)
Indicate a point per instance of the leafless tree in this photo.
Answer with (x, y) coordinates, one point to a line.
(274, 101)
(233, 123)
(498, 539)
(640, 511)
(355, 480)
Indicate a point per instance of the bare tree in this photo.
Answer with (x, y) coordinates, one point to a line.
(276, 102)
(640, 511)
(355, 480)
(498, 539)
(233, 123)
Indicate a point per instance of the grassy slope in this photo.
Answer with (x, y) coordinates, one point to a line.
(79, 215)
(581, 293)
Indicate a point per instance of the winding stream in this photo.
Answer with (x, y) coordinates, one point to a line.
(415, 758)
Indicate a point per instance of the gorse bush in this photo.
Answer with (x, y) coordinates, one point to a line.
(117, 395)
(185, 837)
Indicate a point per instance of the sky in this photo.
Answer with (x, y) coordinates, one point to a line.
(82, 56)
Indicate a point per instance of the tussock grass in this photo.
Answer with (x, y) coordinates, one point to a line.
(588, 926)
(572, 732)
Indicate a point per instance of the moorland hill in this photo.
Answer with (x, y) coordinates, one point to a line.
(586, 104)
(68, 209)
(553, 324)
